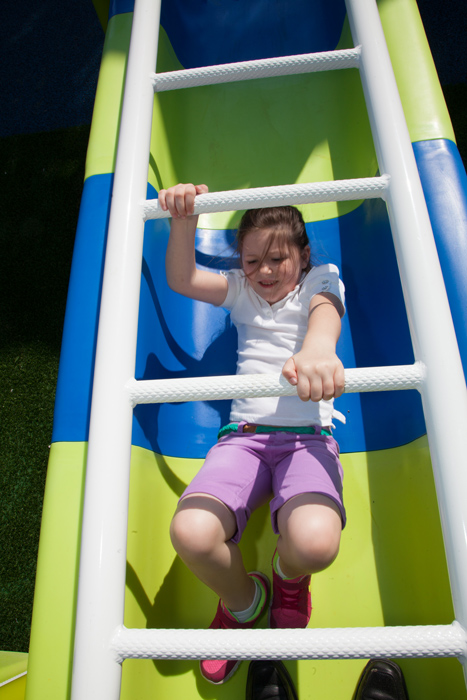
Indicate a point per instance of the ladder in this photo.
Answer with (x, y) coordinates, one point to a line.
(101, 641)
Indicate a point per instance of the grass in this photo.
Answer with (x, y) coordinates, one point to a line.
(41, 176)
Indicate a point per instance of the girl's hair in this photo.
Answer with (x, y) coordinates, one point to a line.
(288, 228)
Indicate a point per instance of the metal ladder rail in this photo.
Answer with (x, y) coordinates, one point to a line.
(101, 588)
(96, 669)
(430, 322)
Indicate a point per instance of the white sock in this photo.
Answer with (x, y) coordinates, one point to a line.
(245, 615)
(279, 570)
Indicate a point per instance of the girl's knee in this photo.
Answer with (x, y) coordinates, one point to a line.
(323, 549)
(193, 532)
(315, 549)
(197, 531)
(310, 535)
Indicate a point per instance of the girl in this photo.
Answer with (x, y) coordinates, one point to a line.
(288, 317)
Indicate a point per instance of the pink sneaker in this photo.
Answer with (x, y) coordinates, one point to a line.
(291, 602)
(217, 670)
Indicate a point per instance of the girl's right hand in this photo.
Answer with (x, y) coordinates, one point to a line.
(183, 276)
(180, 199)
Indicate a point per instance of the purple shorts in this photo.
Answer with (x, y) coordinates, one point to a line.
(243, 470)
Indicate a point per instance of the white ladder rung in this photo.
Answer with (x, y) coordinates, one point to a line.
(257, 385)
(331, 643)
(262, 68)
(260, 197)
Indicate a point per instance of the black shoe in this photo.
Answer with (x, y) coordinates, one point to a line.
(381, 679)
(269, 680)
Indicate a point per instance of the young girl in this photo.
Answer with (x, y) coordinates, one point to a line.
(288, 318)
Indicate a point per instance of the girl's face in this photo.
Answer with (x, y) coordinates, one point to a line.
(280, 269)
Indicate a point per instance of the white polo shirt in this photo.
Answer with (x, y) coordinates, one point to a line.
(268, 334)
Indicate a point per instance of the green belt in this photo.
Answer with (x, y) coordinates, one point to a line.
(307, 429)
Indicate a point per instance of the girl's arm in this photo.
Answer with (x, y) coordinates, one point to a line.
(315, 369)
(182, 274)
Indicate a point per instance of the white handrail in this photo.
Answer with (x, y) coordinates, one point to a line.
(444, 393)
(104, 530)
(251, 70)
(259, 385)
(333, 643)
(280, 195)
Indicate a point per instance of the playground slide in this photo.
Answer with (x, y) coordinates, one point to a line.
(391, 569)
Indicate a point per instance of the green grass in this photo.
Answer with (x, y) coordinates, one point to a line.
(41, 181)
(28, 374)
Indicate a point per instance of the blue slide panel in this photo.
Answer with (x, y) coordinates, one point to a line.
(74, 385)
(445, 186)
(198, 30)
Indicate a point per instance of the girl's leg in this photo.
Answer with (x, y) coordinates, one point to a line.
(201, 531)
(310, 528)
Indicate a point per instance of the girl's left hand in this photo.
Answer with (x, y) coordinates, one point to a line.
(315, 376)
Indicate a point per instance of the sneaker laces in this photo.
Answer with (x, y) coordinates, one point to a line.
(295, 596)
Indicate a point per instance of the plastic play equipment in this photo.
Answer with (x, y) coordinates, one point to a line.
(145, 377)
(13, 670)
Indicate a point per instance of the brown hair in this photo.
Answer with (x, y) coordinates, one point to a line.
(287, 224)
